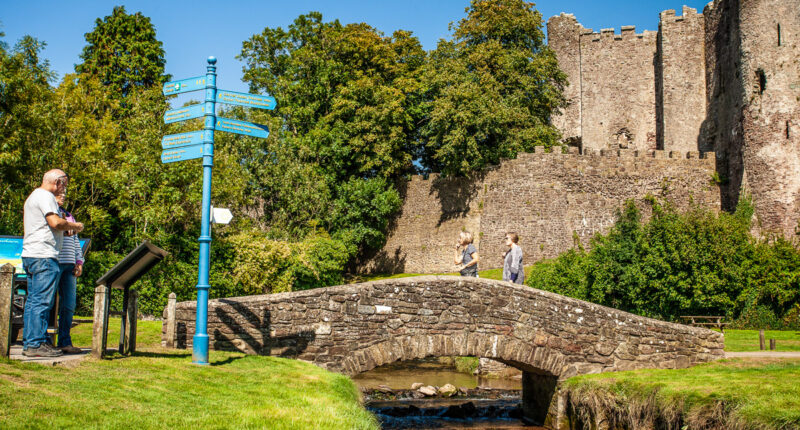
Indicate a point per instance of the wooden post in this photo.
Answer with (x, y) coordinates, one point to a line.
(100, 321)
(6, 301)
(772, 344)
(761, 339)
(170, 325)
(123, 326)
(131, 313)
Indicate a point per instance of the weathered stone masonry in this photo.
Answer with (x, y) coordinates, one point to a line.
(549, 199)
(726, 80)
(354, 328)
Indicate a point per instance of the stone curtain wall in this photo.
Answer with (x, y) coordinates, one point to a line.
(682, 104)
(549, 199)
(564, 38)
(355, 328)
(618, 103)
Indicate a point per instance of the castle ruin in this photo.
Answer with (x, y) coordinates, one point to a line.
(703, 109)
(725, 81)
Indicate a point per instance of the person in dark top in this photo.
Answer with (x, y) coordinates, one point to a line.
(466, 256)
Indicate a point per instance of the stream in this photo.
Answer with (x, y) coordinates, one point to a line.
(481, 403)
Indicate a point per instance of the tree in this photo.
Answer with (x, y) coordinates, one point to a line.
(123, 53)
(491, 90)
(26, 127)
(348, 109)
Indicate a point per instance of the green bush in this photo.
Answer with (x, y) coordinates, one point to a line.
(697, 263)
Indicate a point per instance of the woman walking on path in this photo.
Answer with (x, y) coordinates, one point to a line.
(466, 259)
(512, 260)
(70, 261)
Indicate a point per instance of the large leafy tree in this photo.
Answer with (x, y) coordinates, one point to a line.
(26, 126)
(348, 110)
(492, 89)
(123, 53)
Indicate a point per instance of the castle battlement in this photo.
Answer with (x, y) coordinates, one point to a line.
(687, 13)
(627, 32)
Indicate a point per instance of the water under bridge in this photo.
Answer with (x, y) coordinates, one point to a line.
(354, 328)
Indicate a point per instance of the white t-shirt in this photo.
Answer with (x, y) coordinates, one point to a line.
(40, 241)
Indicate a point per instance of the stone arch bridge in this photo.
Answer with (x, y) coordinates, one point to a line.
(355, 328)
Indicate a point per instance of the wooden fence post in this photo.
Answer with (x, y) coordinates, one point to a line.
(761, 339)
(6, 302)
(130, 324)
(772, 344)
(100, 321)
(170, 325)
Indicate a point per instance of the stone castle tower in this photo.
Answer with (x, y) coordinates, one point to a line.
(726, 80)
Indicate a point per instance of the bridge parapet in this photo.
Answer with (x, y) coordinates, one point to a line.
(355, 328)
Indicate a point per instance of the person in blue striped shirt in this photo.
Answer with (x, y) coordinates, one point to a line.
(70, 261)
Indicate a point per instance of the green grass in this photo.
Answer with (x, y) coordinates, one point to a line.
(760, 393)
(159, 388)
(747, 340)
(496, 274)
(148, 333)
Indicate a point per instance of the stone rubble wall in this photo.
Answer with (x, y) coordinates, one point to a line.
(550, 200)
(354, 328)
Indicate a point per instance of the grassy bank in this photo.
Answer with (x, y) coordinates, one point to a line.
(730, 394)
(160, 388)
(747, 340)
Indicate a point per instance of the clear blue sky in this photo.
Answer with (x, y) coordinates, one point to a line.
(193, 30)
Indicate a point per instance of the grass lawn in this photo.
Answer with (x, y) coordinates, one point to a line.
(762, 393)
(159, 388)
(747, 340)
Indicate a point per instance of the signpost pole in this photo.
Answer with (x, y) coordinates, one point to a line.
(200, 340)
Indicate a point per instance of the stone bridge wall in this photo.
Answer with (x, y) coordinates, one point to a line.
(355, 328)
(550, 199)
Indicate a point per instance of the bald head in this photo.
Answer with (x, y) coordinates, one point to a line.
(55, 181)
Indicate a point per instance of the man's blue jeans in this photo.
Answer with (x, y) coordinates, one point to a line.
(43, 276)
(66, 304)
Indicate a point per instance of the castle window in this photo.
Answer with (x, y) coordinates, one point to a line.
(779, 35)
(762, 81)
(788, 130)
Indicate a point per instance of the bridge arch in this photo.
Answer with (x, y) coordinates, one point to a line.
(355, 328)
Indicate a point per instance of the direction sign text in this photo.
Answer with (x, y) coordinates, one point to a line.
(241, 127)
(182, 154)
(184, 113)
(245, 99)
(181, 139)
(185, 85)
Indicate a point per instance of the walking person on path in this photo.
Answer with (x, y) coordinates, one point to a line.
(41, 245)
(466, 259)
(70, 261)
(513, 270)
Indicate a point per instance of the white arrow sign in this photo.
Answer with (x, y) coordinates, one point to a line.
(221, 215)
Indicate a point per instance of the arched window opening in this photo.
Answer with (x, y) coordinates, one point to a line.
(762, 81)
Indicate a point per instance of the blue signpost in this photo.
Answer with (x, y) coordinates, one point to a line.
(200, 144)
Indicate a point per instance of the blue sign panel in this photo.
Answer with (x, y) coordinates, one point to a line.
(185, 85)
(182, 139)
(184, 113)
(241, 127)
(245, 99)
(182, 154)
(11, 253)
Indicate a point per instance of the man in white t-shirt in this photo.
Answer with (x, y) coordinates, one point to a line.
(44, 230)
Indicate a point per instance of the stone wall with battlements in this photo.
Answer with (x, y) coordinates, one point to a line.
(550, 199)
(726, 80)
